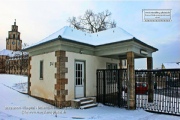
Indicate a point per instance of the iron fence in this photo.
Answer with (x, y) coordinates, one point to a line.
(110, 87)
(164, 85)
(166, 90)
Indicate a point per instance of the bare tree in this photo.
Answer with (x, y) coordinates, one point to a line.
(91, 22)
(24, 45)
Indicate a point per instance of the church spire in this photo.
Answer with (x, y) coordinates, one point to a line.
(14, 42)
(15, 22)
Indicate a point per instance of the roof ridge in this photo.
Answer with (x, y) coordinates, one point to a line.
(54, 33)
(115, 28)
(125, 31)
(64, 29)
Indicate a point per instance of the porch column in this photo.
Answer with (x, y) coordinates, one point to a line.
(149, 78)
(149, 63)
(131, 81)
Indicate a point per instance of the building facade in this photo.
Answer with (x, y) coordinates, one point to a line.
(63, 66)
(2, 63)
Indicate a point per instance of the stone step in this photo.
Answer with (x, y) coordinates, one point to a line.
(87, 102)
(88, 106)
(82, 99)
(84, 103)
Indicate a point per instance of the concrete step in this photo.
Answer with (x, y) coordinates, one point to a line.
(84, 103)
(87, 102)
(88, 106)
(82, 99)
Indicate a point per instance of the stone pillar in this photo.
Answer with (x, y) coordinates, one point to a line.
(29, 75)
(61, 80)
(149, 63)
(149, 78)
(131, 81)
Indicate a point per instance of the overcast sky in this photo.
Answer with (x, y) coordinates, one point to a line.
(38, 19)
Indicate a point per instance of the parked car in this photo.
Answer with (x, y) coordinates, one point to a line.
(140, 88)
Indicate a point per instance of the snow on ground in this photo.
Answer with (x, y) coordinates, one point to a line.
(17, 106)
(16, 82)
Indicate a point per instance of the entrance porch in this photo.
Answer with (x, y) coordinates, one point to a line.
(128, 50)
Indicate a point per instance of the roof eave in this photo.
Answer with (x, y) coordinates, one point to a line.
(31, 47)
(137, 40)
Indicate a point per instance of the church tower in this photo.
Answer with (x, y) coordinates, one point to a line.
(13, 42)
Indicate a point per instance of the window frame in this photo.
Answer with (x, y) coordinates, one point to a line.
(111, 65)
(41, 69)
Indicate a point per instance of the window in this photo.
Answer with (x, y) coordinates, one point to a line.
(111, 66)
(41, 70)
(14, 36)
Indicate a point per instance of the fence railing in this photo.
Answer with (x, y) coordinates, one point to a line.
(112, 89)
(166, 90)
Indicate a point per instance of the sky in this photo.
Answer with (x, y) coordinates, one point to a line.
(37, 19)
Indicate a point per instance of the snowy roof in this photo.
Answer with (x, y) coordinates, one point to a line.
(171, 65)
(99, 38)
(11, 53)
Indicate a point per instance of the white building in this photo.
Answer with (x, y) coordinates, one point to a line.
(63, 65)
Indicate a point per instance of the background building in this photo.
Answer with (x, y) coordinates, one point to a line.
(12, 59)
(13, 42)
(171, 65)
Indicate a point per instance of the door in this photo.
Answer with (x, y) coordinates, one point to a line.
(79, 79)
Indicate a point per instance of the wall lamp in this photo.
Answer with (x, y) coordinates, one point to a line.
(143, 52)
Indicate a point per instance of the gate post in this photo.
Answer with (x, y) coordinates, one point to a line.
(120, 74)
(131, 82)
(104, 87)
(149, 78)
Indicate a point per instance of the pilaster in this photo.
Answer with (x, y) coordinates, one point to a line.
(131, 81)
(61, 92)
(150, 81)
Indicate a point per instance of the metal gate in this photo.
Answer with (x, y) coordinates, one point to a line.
(166, 90)
(112, 89)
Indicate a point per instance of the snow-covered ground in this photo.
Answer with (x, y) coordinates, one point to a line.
(15, 82)
(15, 105)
